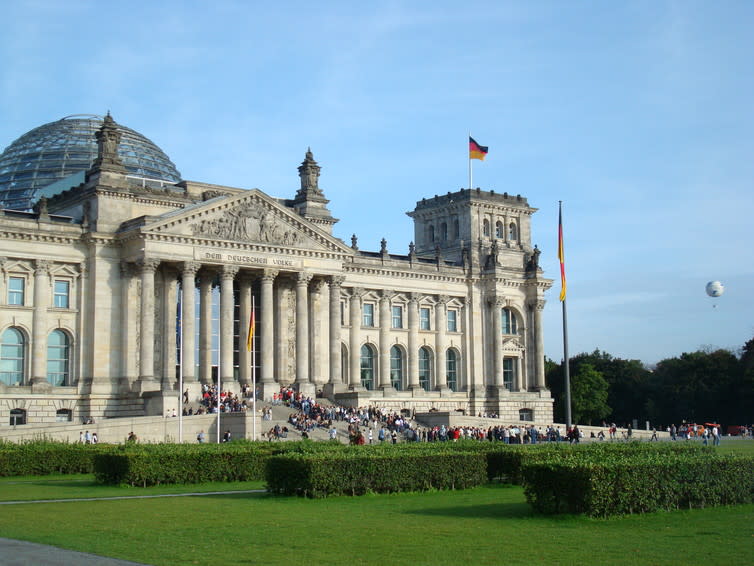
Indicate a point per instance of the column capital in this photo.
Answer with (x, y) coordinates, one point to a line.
(414, 298)
(269, 274)
(386, 295)
(303, 278)
(229, 272)
(148, 265)
(190, 268)
(538, 304)
(357, 292)
(42, 267)
(497, 302)
(443, 299)
(336, 280)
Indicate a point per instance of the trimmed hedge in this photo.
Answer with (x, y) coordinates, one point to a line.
(359, 472)
(602, 485)
(147, 465)
(39, 458)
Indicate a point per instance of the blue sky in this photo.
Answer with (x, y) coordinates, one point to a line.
(637, 115)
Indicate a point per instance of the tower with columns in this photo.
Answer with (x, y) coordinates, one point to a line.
(122, 286)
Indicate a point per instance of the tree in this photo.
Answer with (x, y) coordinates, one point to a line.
(589, 395)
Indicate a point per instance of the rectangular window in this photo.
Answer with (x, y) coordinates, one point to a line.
(62, 294)
(16, 290)
(397, 316)
(509, 373)
(367, 312)
(452, 321)
(424, 319)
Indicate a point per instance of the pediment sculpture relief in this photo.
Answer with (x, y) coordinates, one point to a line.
(248, 222)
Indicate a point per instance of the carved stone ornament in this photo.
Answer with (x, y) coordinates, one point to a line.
(248, 222)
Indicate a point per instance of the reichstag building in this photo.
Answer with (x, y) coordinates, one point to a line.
(121, 280)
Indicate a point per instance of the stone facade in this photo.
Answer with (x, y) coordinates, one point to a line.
(114, 292)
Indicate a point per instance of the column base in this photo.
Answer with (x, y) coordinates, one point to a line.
(40, 385)
(389, 391)
(330, 389)
(267, 389)
(307, 389)
(144, 385)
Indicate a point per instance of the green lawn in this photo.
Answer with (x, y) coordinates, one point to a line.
(489, 525)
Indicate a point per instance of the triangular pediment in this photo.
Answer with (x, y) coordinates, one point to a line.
(250, 218)
(512, 344)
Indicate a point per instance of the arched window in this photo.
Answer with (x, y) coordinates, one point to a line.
(425, 368)
(12, 357)
(512, 231)
(499, 230)
(367, 367)
(58, 358)
(451, 369)
(510, 326)
(525, 415)
(443, 232)
(64, 416)
(17, 417)
(486, 228)
(396, 367)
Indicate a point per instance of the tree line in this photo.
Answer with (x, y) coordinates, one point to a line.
(698, 387)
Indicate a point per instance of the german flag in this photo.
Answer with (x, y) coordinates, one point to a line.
(250, 335)
(476, 151)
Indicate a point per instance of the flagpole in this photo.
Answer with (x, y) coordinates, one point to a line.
(219, 368)
(180, 374)
(566, 362)
(470, 185)
(254, 373)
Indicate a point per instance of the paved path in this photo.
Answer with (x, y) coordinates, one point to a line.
(20, 553)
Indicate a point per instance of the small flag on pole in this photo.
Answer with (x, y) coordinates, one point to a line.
(476, 151)
(250, 337)
(561, 255)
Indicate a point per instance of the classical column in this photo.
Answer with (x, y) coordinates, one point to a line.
(441, 342)
(205, 326)
(385, 325)
(496, 304)
(266, 332)
(244, 320)
(539, 352)
(167, 328)
(302, 327)
(39, 322)
(354, 338)
(336, 376)
(518, 382)
(413, 341)
(227, 341)
(319, 352)
(188, 320)
(147, 268)
(129, 371)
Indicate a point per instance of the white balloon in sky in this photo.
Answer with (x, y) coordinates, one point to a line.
(715, 288)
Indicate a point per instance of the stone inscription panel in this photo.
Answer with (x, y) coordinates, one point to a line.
(239, 258)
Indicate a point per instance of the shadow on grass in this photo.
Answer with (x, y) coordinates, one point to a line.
(486, 511)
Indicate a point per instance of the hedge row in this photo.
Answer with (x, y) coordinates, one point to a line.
(357, 473)
(147, 465)
(40, 458)
(637, 483)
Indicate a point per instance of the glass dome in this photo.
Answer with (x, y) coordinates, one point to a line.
(59, 149)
